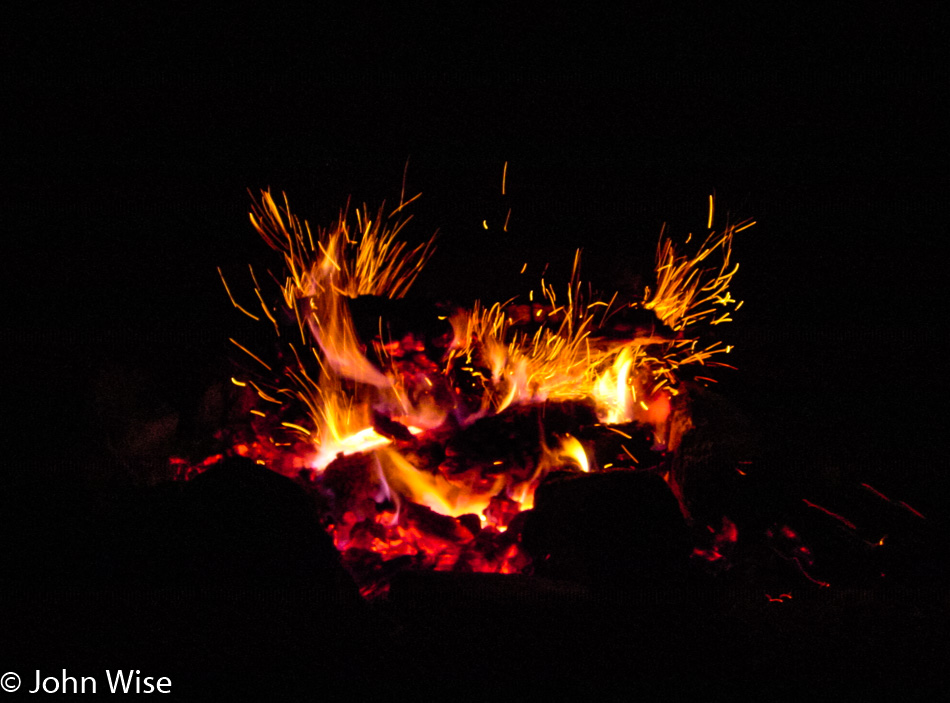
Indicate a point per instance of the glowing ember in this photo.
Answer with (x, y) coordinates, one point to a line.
(426, 439)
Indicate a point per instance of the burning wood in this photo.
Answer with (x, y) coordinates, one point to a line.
(426, 430)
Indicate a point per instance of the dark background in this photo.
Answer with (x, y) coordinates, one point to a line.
(132, 134)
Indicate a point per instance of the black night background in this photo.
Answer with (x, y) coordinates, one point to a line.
(132, 135)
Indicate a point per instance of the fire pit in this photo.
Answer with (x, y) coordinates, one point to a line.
(427, 432)
(547, 491)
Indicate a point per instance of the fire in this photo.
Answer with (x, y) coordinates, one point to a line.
(382, 420)
(573, 449)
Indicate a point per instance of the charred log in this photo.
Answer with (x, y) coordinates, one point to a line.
(613, 528)
(512, 438)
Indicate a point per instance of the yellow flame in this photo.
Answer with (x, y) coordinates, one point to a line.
(612, 390)
(432, 490)
(571, 448)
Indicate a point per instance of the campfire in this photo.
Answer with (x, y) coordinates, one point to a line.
(427, 432)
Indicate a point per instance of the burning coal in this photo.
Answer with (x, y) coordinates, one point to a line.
(425, 430)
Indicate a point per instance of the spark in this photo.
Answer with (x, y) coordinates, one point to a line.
(398, 209)
(233, 301)
(266, 311)
(293, 426)
(683, 287)
(263, 395)
(836, 516)
(744, 227)
(250, 354)
(780, 599)
(876, 492)
(915, 512)
(801, 569)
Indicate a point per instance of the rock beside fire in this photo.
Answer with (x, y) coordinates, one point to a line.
(610, 529)
(226, 584)
(236, 522)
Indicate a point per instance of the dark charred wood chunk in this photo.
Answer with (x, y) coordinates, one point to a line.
(716, 440)
(430, 522)
(470, 522)
(631, 449)
(513, 439)
(351, 483)
(425, 455)
(502, 510)
(390, 428)
(612, 528)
